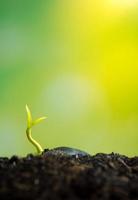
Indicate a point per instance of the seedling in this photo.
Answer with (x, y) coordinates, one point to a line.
(30, 124)
(64, 151)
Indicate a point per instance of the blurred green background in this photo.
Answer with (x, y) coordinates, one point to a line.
(75, 61)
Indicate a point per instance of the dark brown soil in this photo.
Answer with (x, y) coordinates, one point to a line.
(52, 177)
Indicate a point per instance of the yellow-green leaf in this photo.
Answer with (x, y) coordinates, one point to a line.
(29, 117)
(38, 120)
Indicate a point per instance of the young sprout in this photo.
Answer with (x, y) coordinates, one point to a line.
(30, 124)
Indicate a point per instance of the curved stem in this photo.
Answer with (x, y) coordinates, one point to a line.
(36, 144)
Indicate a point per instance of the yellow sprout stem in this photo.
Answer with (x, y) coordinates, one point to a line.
(36, 144)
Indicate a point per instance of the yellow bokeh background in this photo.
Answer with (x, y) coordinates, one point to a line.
(74, 61)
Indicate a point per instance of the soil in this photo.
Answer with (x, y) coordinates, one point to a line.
(56, 177)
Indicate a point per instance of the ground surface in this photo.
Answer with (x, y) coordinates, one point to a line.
(46, 177)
